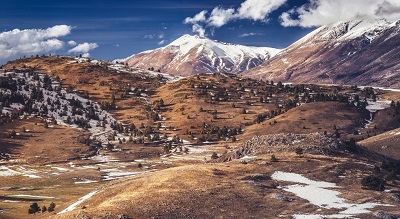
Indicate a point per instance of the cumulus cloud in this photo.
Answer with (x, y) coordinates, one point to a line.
(220, 16)
(256, 10)
(83, 48)
(17, 42)
(200, 17)
(72, 43)
(321, 12)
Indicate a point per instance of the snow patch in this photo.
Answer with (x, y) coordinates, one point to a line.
(317, 193)
(74, 205)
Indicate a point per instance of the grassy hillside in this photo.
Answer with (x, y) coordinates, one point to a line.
(159, 161)
(227, 190)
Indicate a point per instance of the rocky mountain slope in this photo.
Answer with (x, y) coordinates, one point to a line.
(189, 55)
(362, 52)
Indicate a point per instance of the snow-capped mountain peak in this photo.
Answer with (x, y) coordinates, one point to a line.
(192, 54)
(347, 30)
(362, 52)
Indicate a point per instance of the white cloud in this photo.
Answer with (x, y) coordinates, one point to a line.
(72, 43)
(86, 55)
(161, 36)
(199, 30)
(161, 42)
(322, 12)
(149, 36)
(83, 48)
(17, 42)
(389, 9)
(200, 17)
(250, 34)
(256, 10)
(220, 16)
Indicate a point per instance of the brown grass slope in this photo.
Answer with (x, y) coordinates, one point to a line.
(310, 118)
(387, 143)
(226, 190)
(40, 145)
(100, 81)
(236, 102)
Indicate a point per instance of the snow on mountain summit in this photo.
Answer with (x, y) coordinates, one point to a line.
(191, 54)
(233, 51)
(360, 52)
(347, 30)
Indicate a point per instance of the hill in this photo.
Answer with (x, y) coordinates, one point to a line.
(386, 143)
(248, 189)
(139, 143)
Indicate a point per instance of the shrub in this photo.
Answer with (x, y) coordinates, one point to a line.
(214, 156)
(352, 145)
(33, 208)
(273, 158)
(299, 151)
(51, 208)
(233, 139)
(373, 183)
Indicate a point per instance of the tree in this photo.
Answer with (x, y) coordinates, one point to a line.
(373, 182)
(214, 156)
(44, 209)
(273, 158)
(233, 139)
(299, 151)
(52, 206)
(352, 146)
(33, 208)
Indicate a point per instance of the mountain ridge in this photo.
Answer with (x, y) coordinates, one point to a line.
(353, 52)
(190, 55)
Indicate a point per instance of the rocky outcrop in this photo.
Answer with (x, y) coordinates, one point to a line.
(316, 143)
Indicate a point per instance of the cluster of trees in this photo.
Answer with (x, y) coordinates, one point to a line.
(395, 106)
(211, 133)
(34, 208)
(34, 101)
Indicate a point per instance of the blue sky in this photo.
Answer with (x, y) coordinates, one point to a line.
(116, 29)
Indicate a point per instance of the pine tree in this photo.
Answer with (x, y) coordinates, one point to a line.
(33, 208)
(52, 206)
(299, 151)
(214, 156)
(273, 158)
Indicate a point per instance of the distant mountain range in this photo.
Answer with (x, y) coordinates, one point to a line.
(190, 55)
(365, 52)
